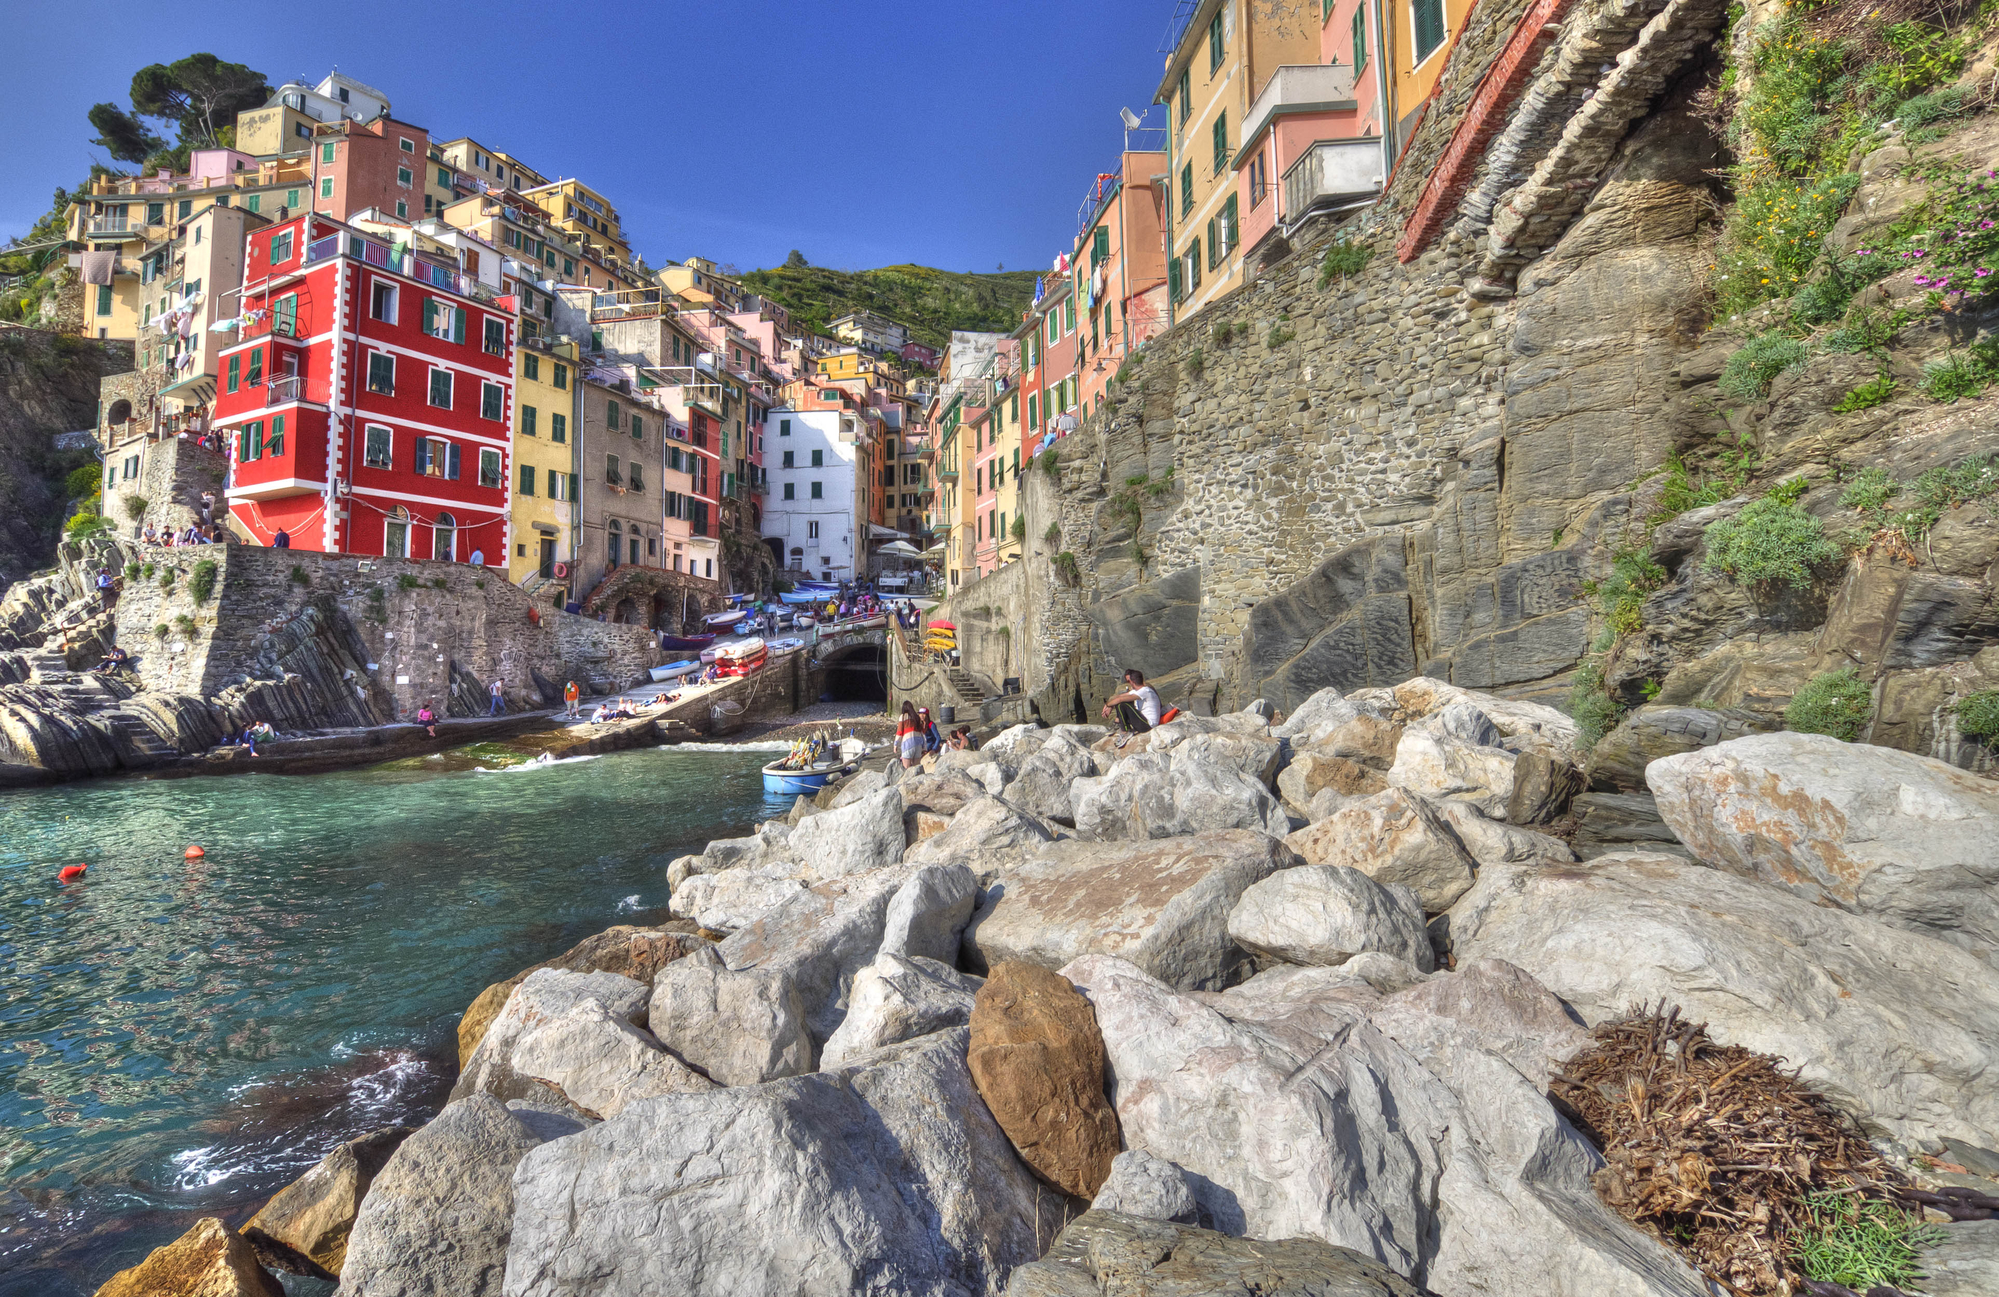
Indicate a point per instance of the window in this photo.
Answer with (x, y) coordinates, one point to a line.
(818, 491)
(383, 306)
(612, 415)
(1215, 46)
(1186, 99)
(254, 203)
(787, 460)
(379, 447)
(812, 531)
(235, 372)
(326, 184)
(1359, 40)
(1259, 179)
(1221, 141)
(281, 248)
(489, 468)
(436, 457)
(1191, 276)
(256, 375)
(818, 459)
(186, 207)
(276, 445)
(558, 427)
(611, 474)
(440, 388)
(635, 476)
(1069, 316)
(492, 400)
(443, 178)
(443, 321)
(1231, 232)
(249, 442)
(404, 177)
(396, 534)
(527, 420)
(526, 486)
(284, 320)
(562, 376)
(531, 366)
(382, 373)
(407, 146)
(326, 151)
(790, 492)
(1427, 26)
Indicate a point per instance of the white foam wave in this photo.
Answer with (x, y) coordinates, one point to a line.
(767, 745)
(629, 904)
(543, 762)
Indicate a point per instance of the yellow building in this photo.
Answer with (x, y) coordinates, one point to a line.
(547, 378)
(585, 214)
(1226, 53)
(697, 282)
(859, 365)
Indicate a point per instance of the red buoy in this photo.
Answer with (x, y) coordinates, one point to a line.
(70, 873)
(195, 853)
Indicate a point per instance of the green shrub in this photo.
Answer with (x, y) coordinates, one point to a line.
(1051, 464)
(1956, 375)
(1915, 113)
(1834, 702)
(1162, 486)
(1067, 568)
(1595, 712)
(1621, 595)
(185, 623)
(87, 524)
(1866, 396)
(1768, 542)
(1870, 489)
(1344, 259)
(407, 582)
(1223, 332)
(201, 582)
(1193, 364)
(86, 480)
(1978, 715)
(1861, 1243)
(1054, 531)
(298, 576)
(132, 571)
(438, 583)
(1748, 373)
(135, 507)
(162, 630)
(147, 572)
(1018, 527)
(167, 576)
(1279, 335)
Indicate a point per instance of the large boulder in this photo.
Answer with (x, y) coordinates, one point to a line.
(438, 1217)
(602, 1063)
(1900, 1029)
(1297, 1115)
(1392, 837)
(631, 952)
(1655, 730)
(889, 1176)
(927, 916)
(1157, 795)
(543, 996)
(210, 1260)
(1162, 905)
(304, 1227)
(857, 838)
(1310, 773)
(1315, 718)
(820, 938)
(1523, 726)
(899, 998)
(1490, 842)
(1038, 1061)
(1327, 914)
(734, 1027)
(944, 794)
(1961, 1260)
(1110, 1253)
(1445, 767)
(1214, 742)
(1043, 784)
(1143, 1185)
(733, 899)
(986, 834)
(1906, 839)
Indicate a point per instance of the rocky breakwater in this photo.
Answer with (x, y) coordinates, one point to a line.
(1248, 1003)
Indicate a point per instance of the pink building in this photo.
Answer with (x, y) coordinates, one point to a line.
(1120, 261)
(1312, 140)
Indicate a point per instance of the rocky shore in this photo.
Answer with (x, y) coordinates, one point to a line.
(1253, 1003)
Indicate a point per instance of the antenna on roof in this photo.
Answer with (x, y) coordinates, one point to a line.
(1131, 119)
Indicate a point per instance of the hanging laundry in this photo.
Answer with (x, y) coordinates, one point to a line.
(223, 326)
(98, 267)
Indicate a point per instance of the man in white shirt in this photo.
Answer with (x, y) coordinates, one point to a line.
(1138, 708)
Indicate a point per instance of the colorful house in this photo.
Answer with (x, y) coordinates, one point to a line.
(368, 400)
(546, 477)
(1120, 269)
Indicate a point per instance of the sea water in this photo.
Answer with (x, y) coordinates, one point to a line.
(181, 1038)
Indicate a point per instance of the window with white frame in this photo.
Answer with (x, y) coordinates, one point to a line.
(380, 447)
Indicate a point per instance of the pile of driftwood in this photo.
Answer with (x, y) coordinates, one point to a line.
(1710, 1148)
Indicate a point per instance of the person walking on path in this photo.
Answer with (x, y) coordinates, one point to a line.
(570, 694)
(499, 699)
(1137, 708)
(909, 739)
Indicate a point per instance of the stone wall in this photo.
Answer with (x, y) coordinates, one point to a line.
(173, 472)
(48, 386)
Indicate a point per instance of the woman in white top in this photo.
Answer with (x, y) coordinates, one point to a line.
(1138, 708)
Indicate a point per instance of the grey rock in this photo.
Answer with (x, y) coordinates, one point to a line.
(1327, 914)
(1462, 720)
(1315, 718)
(896, 999)
(1616, 822)
(735, 898)
(1965, 1263)
(1162, 904)
(736, 1027)
(1491, 843)
(1443, 768)
(1155, 627)
(863, 835)
(1906, 839)
(1392, 837)
(1647, 733)
(1895, 1027)
(543, 996)
(1111, 1254)
(1043, 784)
(927, 916)
(983, 834)
(988, 775)
(1344, 626)
(601, 1063)
(857, 786)
(819, 939)
(1147, 1186)
(1154, 795)
(889, 1176)
(1255, 754)
(437, 1218)
(944, 793)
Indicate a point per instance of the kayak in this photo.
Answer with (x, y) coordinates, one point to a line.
(686, 643)
(725, 618)
(743, 648)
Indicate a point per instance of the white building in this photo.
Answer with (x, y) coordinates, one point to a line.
(812, 510)
(870, 331)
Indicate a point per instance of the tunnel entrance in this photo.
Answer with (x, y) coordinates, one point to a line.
(857, 674)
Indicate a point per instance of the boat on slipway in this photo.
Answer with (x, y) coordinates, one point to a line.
(807, 767)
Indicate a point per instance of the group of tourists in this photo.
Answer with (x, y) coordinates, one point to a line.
(195, 533)
(916, 735)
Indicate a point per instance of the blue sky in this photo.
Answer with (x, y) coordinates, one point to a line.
(948, 134)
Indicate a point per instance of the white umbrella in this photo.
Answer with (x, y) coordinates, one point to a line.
(901, 547)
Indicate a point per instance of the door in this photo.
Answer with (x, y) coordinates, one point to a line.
(548, 556)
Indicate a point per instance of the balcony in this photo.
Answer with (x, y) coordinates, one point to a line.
(284, 389)
(1332, 172)
(1298, 88)
(106, 227)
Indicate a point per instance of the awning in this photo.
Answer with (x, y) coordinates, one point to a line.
(878, 532)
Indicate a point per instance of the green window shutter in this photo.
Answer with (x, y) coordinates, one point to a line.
(458, 324)
(1325, 12)
(1101, 249)
(235, 372)
(1215, 44)
(1173, 280)
(1186, 99)
(430, 315)
(1187, 189)
(1429, 24)
(326, 152)
(1231, 232)
(1221, 141)
(527, 479)
(254, 203)
(277, 443)
(574, 478)
(1359, 39)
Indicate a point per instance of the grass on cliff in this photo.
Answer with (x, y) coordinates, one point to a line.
(1833, 702)
(931, 302)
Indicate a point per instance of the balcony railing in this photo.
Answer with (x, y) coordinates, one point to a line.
(104, 225)
(284, 389)
(1332, 172)
(1301, 88)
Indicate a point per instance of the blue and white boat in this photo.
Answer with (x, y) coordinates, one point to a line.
(806, 779)
(674, 669)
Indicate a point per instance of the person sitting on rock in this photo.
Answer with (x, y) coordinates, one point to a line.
(116, 658)
(603, 715)
(1137, 708)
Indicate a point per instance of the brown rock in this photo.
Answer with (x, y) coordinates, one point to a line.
(304, 1228)
(1310, 772)
(631, 952)
(1365, 739)
(918, 825)
(1038, 1060)
(209, 1260)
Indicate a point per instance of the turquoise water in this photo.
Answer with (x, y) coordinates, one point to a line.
(180, 1038)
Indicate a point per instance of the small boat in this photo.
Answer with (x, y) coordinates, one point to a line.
(673, 670)
(742, 648)
(807, 779)
(686, 643)
(786, 645)
(804, 596)
(729, 618)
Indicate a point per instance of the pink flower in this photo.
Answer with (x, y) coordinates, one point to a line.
(1980, 273)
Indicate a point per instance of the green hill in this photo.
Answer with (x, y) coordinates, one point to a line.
(931, 302)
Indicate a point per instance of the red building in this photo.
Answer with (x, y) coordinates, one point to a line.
(368, 400)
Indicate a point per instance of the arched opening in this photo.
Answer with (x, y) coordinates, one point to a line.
(627, 612)
(121, 412)
(776, 548)
(857, 673)
(444, 538)
(614, 540)
(396, 533)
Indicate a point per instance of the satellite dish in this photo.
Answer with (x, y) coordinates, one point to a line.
(1131, 119)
